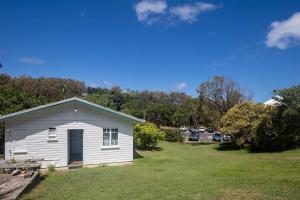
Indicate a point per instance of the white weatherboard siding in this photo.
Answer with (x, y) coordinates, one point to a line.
(32, 135)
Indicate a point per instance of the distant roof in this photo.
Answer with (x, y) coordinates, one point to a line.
(273, 102)
(2, 118)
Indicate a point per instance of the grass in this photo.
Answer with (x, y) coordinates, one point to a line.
(181, 171)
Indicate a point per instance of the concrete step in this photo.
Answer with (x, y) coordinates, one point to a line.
(75, 165)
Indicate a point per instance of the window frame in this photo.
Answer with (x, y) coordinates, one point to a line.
(52, 134)
(103, 133)
(16, 133)
(110, 132)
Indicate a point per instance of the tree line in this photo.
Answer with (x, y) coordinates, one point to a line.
(220, 103)
(215, 97)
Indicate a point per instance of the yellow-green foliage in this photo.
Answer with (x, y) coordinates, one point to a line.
(51, 168)
(242, 121)
(147, 135)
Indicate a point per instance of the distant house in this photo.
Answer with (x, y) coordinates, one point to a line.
(72, 130)
(273, 101)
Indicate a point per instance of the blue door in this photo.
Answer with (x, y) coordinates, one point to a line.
(75, 145)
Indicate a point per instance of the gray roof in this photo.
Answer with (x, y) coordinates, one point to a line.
(2, 118)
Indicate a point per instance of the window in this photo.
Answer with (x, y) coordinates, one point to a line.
(114, 136)
(110, 137)
(106, 137)
(20, 142)
(52, 133)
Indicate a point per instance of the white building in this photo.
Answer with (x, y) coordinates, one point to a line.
(273, 101)
(68, 131)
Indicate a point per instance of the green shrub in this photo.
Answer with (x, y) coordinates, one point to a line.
(51, 168)
(147, 135)
(241, 123)
(173, 135)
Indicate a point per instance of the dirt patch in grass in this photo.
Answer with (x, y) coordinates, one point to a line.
(242, 194)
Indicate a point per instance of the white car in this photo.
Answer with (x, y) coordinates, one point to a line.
(226, 137)
(183, 128)
(201, 130)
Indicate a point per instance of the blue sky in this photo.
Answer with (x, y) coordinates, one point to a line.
(157, 45)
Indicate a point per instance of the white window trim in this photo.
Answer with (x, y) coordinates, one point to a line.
(52, 134)
(111, 147)
(20, 151)
(110, 133)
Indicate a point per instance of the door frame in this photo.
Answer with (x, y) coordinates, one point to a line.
(69, 143)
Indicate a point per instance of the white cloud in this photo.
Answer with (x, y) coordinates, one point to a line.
(189, 12)
(180, 86)
(156, 11)
(108, 83)
(32, 60)
(94, 85)
(148, 8)
(284, 34)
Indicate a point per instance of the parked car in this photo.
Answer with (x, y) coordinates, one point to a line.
(183, 128)
(226, 137)
(194, 136)
(217, 137)
(201, 130)
(192, 130)
(210, 130)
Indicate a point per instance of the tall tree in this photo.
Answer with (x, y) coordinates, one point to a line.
(222, 93)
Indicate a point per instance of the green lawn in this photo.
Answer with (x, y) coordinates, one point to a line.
(182, 171)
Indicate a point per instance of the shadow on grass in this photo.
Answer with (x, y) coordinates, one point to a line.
(33, 185)
(226, 146)
(201, 143)
(270, 150)
(137, 155)
(149, 149)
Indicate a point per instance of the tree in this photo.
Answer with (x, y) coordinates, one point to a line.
(180, 117)
(45, 89)
(288, 111)
(222, 93)
(207, 115)
(241, 122)
(282, 130)
(113, 98)
(160, 114)
(13, 100)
